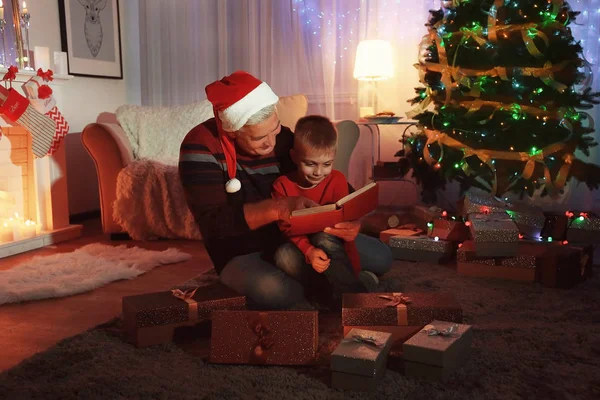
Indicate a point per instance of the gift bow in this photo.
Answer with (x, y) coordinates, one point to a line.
(395, 299)
(187, 297)
(47, 76)
(264, 341)
(431, 330)
(362, 339)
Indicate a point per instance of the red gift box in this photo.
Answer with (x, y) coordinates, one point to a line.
(425, 214)
(449, 229)
(264, 337)
(385, 236)
(564, 266)
(398, 309)
(152, 318)
(520, 267)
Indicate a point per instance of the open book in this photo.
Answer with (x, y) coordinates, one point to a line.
(349, 208)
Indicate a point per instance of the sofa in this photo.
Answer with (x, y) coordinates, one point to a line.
(113, 148)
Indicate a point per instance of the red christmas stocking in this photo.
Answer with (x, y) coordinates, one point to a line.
(62, 128)
(18, 110)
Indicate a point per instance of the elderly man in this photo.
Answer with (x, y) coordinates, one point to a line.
(227, 166)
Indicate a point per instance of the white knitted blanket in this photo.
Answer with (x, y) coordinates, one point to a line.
(156, 133)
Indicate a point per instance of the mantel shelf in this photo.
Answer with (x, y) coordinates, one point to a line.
(24, 75)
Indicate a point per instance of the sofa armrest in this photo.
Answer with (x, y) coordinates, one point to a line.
(107, 156)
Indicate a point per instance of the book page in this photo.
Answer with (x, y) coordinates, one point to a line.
(356, 193)
(314, 210)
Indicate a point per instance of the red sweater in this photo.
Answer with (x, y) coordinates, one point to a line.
(328, 191)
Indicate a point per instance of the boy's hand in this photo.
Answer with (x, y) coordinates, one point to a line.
(318, 259)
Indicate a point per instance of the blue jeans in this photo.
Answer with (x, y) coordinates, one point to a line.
(267, 286)
(340, 273)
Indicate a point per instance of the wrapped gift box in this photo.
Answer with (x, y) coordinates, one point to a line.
(422, 215)
(564, 266)
(555, 226)
(152, 318)
(584, 230)
(264, 337)
(359, 361)
(385, 236)
(529, 219)
(400, 334)
(449, 229)
(479, 202)
(422, 249)
(494, 235)
(399, 309)
(437, 356)
(520, 267)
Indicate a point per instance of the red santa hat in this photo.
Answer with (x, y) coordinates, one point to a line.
(235, 99)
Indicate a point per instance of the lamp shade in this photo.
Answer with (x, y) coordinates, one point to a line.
(373, 60)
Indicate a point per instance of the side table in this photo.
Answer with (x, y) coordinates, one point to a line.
(376, 136)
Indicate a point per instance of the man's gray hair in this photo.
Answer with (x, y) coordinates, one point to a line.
(261, 115)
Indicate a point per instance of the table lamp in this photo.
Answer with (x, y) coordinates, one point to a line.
(373, 63)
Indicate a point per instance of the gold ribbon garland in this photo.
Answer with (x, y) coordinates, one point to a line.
(423, 104)
(488, 156)
(492, 19)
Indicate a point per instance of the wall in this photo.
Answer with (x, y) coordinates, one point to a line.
(84, 98)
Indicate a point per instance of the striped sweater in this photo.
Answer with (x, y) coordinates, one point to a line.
(220, 215)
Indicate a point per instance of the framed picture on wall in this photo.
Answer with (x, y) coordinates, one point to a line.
(91, 36)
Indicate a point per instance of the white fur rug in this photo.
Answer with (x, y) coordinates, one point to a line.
(82, 270)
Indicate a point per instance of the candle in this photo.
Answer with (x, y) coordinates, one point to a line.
(28, 229)
(1, 9)
(41, 56)
(24, 8)
(6, 233)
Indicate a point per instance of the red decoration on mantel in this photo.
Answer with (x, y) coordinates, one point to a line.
(44, 92)
(11, 74)
(47, 76)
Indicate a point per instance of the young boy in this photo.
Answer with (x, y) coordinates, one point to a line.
(314, 150)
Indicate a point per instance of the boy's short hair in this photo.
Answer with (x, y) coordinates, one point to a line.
(315, 132)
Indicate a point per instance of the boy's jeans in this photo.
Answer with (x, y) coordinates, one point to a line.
(340, 273)
(267, 286)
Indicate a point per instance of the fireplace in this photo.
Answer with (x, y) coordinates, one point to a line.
(33, 193)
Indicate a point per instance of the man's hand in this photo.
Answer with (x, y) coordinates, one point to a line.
(286, 205)
(318, 259)
(345, 230)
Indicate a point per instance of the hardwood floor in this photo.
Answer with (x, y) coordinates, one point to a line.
(34, 326)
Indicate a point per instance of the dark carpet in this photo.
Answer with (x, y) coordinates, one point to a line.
(529, 343)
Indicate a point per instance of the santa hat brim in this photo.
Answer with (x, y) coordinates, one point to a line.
(236, 116)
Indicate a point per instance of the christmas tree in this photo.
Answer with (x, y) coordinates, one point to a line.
(508, 83)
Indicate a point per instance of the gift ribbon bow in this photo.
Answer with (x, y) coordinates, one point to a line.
(362, 339)
(395, 300)
(187, 297)
(47, 76)
(431, 330)
(264, 341)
